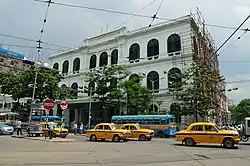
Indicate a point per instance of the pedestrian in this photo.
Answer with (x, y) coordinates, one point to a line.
(81, 128)
(19, 127)
(75, 128)
(51, 129)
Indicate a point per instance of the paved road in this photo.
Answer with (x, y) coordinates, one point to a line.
(158, 152)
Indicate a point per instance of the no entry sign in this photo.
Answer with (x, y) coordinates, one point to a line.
(48, 104)
(64, 104)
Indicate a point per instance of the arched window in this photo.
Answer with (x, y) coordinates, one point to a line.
(153, 47)
(153, 108)
(92, 63)
(91, 88)
(134, 52)
(175, 109)
(65, 68)
(64, 86)
(174, 78)
(76, 64)
(103, 59)
(56, 66)
(174, 43)
(153, 81)
(135, 78)
(74, 86)
(114, 57)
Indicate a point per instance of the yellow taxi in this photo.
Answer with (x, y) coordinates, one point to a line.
(108, 131)
(206, 132)
(137, 132)
(56, 131)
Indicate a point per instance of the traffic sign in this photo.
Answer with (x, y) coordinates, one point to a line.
(48, 104)
(64, 104)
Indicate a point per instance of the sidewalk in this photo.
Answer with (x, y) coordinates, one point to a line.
(43, 139)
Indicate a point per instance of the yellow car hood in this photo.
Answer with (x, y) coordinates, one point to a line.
(147, 131)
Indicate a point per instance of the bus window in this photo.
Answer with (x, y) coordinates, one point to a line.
(172, 121)
(163, 121)
(157, 121)
(150, 121)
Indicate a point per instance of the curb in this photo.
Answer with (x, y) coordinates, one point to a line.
(43, 139)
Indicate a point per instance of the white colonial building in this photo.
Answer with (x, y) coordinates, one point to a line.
(157, 51)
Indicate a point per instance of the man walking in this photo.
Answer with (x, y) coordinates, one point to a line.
(19, 127)
(51, 129)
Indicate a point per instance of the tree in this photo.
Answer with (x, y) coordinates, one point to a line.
(113, 89)
(234, 115)
(105, 84)
(20, 85)
(201, 90)
(242, 110)
(139, 97)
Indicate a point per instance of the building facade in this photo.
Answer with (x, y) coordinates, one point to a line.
(158, 51)
(11, 61)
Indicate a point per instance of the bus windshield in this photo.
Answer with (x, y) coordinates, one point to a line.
(172, 121)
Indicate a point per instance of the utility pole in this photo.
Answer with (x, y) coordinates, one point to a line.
(33, 95)
(90, 103)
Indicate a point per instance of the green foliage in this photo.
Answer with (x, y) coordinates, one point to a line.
(139, 98)
(20, 85)
(201, 87)
(241, 111)
(113, 89)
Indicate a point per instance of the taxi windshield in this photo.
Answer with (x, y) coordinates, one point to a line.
(113, 127)
(217, 127)
(138, 127)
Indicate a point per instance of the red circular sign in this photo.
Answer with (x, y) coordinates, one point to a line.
(48, 104)
(63, 104)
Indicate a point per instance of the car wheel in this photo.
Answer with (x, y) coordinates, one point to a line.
(244, 138)
(53, 135)
(228, 143)
(161, 134)
(142, 137)
(116, 138)
(64, 136)
(93, 137)
(189, 142)
(1, 133)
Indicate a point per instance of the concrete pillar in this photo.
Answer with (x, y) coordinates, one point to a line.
(55, 110)
(76, 115)
(66, 115)
(81, 115)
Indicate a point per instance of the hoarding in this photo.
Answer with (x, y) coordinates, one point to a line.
(11, 53)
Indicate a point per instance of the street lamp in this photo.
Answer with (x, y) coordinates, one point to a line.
(228, 90)
(153, 89)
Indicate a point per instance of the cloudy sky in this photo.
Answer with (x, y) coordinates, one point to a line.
(69, 26)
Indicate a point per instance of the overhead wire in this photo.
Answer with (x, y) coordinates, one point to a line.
(31, 40)
(136, 14)
(231, 44)
(126, 13)
(225, 42)
(155, 15)
(33, 47)
(39, 48)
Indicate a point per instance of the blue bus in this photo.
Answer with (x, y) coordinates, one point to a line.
(163, 125)
(56, 119)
